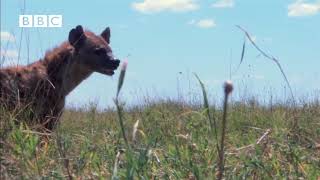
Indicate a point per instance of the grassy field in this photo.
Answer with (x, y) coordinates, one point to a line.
(167, 140)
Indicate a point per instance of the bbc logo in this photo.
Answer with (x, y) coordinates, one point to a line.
(40, 21)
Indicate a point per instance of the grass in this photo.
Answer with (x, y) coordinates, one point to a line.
(173, 141)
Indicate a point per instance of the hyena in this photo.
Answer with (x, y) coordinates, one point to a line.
(42, 87)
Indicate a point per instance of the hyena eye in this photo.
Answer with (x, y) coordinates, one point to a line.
(100, 51)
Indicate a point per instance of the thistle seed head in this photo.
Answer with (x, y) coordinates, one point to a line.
(228, 87)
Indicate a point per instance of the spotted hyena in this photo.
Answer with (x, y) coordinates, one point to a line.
(42, 86)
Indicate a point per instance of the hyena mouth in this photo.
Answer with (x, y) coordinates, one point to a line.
(109, 72)
(111, 67)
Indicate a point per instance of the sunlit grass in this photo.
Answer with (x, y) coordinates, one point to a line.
(171, 141)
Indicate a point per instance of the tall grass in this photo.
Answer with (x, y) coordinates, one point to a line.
(172, 141)
(228, 88)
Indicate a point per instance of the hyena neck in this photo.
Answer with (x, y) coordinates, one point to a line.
(74, 74)
(64, 72)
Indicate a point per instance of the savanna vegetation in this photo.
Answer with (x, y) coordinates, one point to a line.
(166, 140)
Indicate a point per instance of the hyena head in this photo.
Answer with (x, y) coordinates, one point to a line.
(92, 51)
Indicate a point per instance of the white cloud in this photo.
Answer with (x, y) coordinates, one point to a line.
(6, 36)
(223, 4)
(203, 23)
(9, 57)
(154, 6)
(301, 8)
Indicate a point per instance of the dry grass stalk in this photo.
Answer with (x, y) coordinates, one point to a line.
(228, 87)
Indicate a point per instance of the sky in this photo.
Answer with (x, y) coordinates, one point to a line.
(166, 41)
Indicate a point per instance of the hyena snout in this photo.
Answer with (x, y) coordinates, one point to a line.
(114, 64)
(111, 66)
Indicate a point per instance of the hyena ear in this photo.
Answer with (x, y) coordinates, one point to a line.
(106, 35)
(77, 37)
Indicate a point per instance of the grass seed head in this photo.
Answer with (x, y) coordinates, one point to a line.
(228, 87)
(135, 129)
(124, 65)
(122, 75)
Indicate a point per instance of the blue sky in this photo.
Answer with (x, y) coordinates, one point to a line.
(165, 37)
